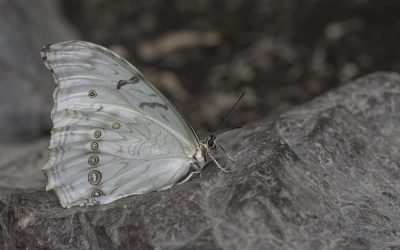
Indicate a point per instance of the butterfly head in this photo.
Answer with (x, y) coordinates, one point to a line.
(210, 142)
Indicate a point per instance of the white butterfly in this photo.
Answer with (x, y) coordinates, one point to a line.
(114, 133)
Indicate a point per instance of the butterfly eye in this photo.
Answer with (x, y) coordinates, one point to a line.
(211, 143)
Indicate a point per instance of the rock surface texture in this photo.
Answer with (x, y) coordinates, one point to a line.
(324, 175)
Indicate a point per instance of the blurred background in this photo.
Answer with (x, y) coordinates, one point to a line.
(202, 53)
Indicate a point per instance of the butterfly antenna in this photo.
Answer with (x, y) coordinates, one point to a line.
(230, 111)
(228, 155)
(219, 166)
(226, 130)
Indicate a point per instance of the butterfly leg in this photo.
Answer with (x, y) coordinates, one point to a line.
(219, 166)
(196, 170)
(228, 155)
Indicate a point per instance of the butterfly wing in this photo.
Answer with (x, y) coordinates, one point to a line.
(114, 133)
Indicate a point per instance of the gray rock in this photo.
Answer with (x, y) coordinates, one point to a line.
(25, 84)
(321, 176)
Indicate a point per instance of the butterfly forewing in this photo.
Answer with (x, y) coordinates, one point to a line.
(114, 133)
(83, 65)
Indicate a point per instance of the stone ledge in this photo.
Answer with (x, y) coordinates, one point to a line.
(322, 175)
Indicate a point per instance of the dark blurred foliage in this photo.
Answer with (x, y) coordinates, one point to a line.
(204, 53)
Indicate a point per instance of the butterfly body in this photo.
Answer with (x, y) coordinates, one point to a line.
(114, 134)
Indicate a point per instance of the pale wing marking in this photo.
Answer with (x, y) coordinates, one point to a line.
(134, 128)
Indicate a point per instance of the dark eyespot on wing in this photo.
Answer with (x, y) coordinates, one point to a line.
(153, 105)
(121, 83)
(133, 80)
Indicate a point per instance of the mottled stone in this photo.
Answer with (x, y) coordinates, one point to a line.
(324, 175)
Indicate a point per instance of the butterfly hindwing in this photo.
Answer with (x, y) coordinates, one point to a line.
(114, 134)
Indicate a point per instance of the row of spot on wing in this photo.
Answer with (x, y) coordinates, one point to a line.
(94, 175)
